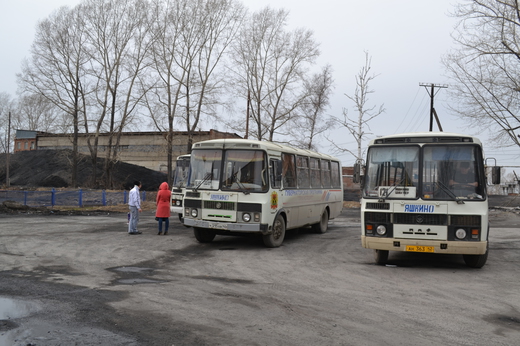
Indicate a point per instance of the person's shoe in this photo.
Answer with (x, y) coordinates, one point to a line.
(131, 233)
(165, 233)
(160, 233)
(138, 232)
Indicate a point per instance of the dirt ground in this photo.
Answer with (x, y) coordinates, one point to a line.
(81, 280)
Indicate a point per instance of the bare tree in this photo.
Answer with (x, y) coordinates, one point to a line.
(7, 105)
(273, 63)
(57, 69)
(357, 126)
(35, 112)
(311, 121)
(191, 39)
(118, 42)
(486, 67)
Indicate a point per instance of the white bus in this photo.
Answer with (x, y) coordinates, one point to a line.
(239, 186)
(426, 192)
(180, 178)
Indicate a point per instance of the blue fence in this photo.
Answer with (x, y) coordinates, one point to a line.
(80, 198)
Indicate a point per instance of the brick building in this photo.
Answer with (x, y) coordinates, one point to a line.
(147, 149)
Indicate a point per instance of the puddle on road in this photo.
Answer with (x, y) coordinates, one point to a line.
(132, 269)
(135, 275)
(138, 281)
(12, 309)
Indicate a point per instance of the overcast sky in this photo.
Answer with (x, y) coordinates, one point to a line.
(405, 38)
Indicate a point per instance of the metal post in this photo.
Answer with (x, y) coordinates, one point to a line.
(80, 199)
(7, 181)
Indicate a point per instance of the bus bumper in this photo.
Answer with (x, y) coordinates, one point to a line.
(231, 227)
(176, 210)
(440, 246)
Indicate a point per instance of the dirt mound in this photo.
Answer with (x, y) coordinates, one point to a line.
(53, 168)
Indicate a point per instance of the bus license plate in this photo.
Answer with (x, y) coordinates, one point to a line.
(416, 248)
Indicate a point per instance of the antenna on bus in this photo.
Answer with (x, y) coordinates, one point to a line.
(432, 109)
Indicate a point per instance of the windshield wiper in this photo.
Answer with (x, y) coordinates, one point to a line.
(239, 184)
(208, 176)
(449, 192)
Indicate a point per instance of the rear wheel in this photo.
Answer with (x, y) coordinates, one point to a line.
(321, 227)
(275, 239)
(381, 256)
(203, 235)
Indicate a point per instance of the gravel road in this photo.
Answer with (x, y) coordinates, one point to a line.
(81, 280)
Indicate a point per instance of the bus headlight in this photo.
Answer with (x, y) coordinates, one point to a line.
(246, 217)
(460, 233)
(381, 230)
(178, 203)
(257, 217)
(194, 212)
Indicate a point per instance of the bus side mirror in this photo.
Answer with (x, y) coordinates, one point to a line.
(357, 173)
(495, 175)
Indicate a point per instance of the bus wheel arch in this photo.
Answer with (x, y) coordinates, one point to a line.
(204, 235)
(323, 224)
(277, 235)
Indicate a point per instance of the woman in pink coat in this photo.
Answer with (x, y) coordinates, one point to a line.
(163, 207)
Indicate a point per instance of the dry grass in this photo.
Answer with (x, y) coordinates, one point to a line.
(351, 204)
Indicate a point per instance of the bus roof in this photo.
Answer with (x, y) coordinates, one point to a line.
(425, 137)
(235, 143)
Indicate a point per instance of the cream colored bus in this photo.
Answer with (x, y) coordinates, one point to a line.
(426, 192)
(239, 186)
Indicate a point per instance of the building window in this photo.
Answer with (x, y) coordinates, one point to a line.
(25, 145)
(19, 145)
(32, 146)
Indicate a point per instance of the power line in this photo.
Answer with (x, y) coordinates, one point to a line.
(432, 109)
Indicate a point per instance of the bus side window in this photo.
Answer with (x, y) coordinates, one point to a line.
(288, 171)
(276, 174)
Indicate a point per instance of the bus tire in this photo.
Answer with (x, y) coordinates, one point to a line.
(475, 261)
(381, 257)
(203, 235)
(321, 227)
(275, 239)
(181, 219)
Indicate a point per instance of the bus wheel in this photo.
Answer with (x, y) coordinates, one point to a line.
(275, 239)
(203, 235)
(321, 227)
(381, 257)
(475, 261)
(181, 219)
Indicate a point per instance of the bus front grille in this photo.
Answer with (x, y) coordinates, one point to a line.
(420, 219)
(219, 205)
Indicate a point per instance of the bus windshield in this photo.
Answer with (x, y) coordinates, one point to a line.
(181, 172)
(451, 172)
(392, 172)
(245, 170)
(446, 172)
(205, 169)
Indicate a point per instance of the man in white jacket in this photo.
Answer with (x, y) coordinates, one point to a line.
(134, 203)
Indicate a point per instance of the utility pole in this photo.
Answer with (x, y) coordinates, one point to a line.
(432, 109)
(247, 113)
(7, 182)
